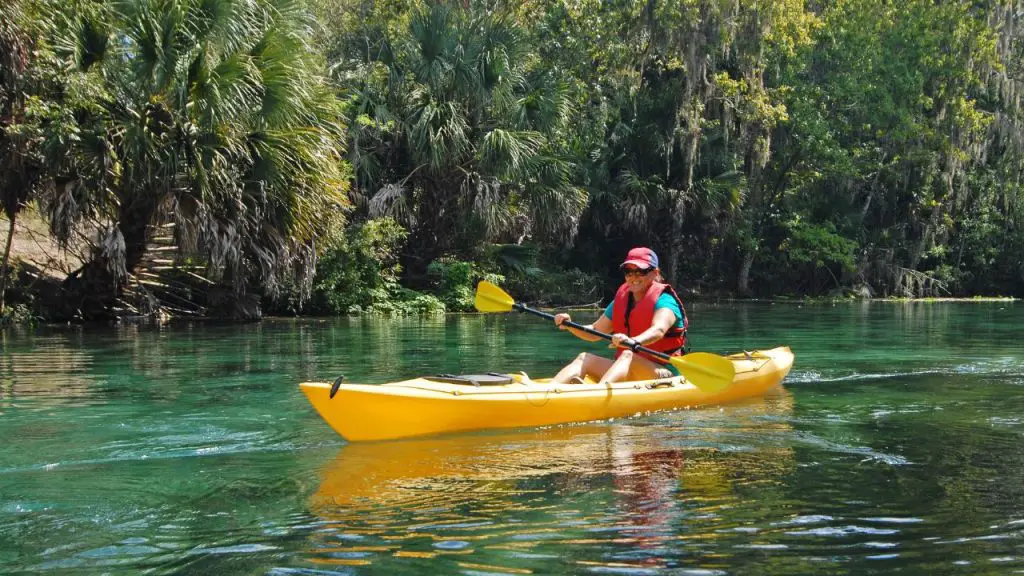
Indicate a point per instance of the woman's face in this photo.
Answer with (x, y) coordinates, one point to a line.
(638, 280)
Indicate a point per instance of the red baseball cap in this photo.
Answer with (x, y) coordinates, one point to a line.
(641, 258)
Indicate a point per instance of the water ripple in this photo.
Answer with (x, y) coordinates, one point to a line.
(868, 453)
(843, 531)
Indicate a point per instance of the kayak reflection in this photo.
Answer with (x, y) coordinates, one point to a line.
(639, 483)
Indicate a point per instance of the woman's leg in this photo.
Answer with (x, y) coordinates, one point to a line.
(643, 369)
(619, 369)
(630, 366)
(584, 365)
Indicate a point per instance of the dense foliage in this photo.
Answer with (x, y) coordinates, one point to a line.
(213, 116)
(762, 148)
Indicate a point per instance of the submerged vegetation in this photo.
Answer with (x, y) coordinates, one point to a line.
(236, 157)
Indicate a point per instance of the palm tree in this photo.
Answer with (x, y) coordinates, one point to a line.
(458, 133)
(18, 172)
(210, 114)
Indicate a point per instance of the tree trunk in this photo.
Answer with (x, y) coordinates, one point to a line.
(435, 226)
(93, 290)
(930, 227)
(426, 242)
(670, 266)
(743, 283)
(674, 246)
(3, 267)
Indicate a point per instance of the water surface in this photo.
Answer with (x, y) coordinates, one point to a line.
(895, 444)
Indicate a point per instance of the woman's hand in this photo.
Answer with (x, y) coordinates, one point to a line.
(561, 319)
(620, 340)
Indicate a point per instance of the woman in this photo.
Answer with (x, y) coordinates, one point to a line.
(646, 312)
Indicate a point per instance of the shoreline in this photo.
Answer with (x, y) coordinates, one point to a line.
(136, 320)
(805, 299)
(821, 300)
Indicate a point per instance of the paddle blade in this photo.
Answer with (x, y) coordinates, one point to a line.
(709, 372)
(490, 298)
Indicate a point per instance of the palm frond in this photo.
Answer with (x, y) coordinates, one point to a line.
(507, 153)
(556, 211)
(439, 134)
(392, 200)
(486, 199)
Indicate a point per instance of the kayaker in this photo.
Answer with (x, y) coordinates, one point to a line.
(645, 311)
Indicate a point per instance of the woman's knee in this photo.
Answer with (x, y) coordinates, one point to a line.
(593, 362)
(626, 356)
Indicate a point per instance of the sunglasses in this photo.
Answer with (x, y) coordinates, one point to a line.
(636, 271)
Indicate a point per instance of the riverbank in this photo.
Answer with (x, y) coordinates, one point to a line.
(356, 279)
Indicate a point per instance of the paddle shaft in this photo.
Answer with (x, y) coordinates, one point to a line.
(591, 331)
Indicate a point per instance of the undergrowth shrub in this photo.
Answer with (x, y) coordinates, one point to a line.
(530, 278)
(358, 273)
(455, 281)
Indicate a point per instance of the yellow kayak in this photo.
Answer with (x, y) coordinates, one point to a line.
(437, 405)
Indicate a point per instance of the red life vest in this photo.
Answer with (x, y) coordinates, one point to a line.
(641, 315)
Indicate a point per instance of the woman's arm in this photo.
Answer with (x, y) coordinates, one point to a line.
(602, 324)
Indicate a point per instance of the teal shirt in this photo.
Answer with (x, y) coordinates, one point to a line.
(664, 301)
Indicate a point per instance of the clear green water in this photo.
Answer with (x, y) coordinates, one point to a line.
(897, 443)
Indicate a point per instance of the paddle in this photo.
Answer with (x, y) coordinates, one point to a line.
(709, 372)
